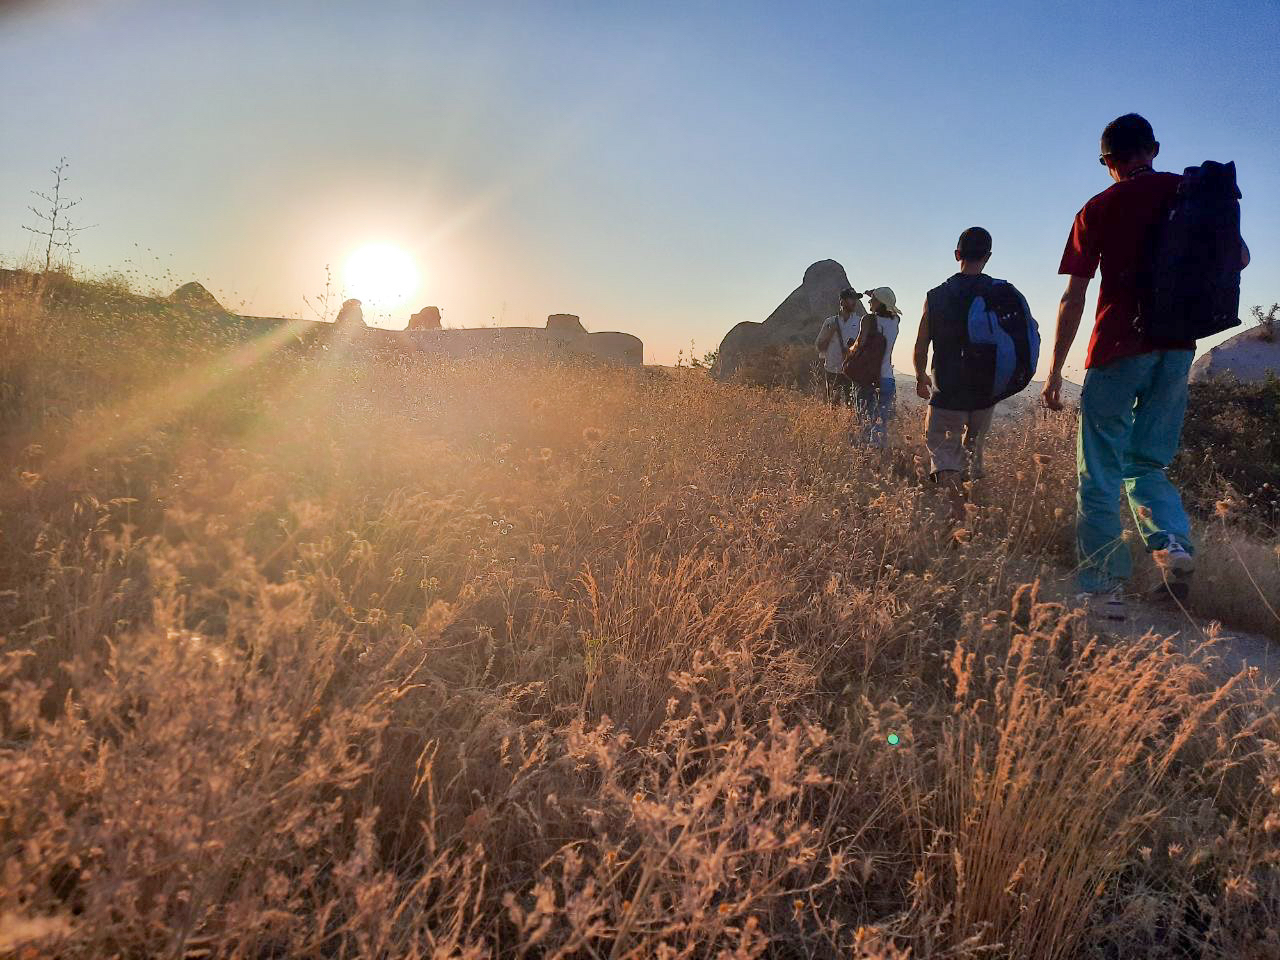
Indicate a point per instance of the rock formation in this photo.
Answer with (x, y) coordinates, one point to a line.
(565, 323)
(194, 295)
(796, 319)
(351, 315)
(515, 342)
(563, 336)
(428, 318)
(1248, 357)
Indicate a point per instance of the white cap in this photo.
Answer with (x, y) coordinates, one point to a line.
(887, 297)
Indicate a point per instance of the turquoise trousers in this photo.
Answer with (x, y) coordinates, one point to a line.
(1130, 422)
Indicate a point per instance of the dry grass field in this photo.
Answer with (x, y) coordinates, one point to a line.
(311, 653)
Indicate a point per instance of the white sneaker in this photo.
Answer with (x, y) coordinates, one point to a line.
(1176, 567)
(1175, 559)
(1109, 604)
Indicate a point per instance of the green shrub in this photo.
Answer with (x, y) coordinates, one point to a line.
(1231, 449)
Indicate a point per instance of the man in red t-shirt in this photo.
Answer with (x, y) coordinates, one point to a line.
(1135, 391)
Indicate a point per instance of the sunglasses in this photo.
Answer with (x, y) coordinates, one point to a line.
(1104, 158)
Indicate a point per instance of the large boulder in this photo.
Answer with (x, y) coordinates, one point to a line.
(1248, 357)
(565, 323)
(795, 321)
(428, 318)
(351, 315)
(194, 295)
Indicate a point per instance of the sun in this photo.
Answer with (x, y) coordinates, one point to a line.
(381, 275)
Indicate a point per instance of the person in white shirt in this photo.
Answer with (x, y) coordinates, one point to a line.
(875, 401)
(834, 337)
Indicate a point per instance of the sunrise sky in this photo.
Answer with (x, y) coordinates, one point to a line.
(667, 169)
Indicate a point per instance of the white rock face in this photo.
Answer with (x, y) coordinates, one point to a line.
(1248, 357)
(796, 319)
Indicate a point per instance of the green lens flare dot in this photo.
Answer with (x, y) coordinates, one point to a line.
(894, 740)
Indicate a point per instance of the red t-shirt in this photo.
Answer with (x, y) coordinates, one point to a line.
(1112, 229)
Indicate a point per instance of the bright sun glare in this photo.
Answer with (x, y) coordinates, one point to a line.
(381, 275)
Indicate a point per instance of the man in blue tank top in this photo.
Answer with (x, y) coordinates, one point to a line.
(960, 390)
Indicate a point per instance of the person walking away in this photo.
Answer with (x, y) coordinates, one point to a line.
(985, 347)
(875, 388)
(1135, 385)
(835, 336)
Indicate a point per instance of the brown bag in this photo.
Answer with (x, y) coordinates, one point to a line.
(863, 361)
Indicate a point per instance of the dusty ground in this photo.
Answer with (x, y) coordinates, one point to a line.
(1232, 649)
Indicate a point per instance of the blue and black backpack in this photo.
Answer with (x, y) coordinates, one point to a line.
(1191, 287)
(986, 342)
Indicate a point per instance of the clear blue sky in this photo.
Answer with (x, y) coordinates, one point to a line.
(663, 168)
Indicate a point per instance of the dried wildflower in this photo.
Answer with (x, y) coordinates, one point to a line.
(1041, 460)
(1223, 508)
(280, 596)
(435, 619)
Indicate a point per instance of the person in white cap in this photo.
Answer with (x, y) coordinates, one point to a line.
(874, 400)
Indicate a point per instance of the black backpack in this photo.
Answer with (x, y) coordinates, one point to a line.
(1191, 287)
(1006, 341)
(986, 342)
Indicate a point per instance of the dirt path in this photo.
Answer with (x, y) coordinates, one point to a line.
(1234, 649)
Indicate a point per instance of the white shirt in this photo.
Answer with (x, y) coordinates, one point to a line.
(844, 329)
(889, 327)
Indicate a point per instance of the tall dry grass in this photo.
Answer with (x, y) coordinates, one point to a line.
(316, 652)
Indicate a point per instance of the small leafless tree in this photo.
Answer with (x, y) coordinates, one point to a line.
(324, 305)
(55, 226)
(1268, 321)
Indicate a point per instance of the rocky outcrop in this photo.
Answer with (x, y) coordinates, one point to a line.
(428, 318)
(795, 321)
(489, 342)
(559, 339)
(194, 295)
(1247, 357)
(565, 323)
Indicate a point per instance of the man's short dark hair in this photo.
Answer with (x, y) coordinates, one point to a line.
(848, 293)
(1126, 136)
(974, 244)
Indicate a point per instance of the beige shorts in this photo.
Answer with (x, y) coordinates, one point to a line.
(955, 438)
